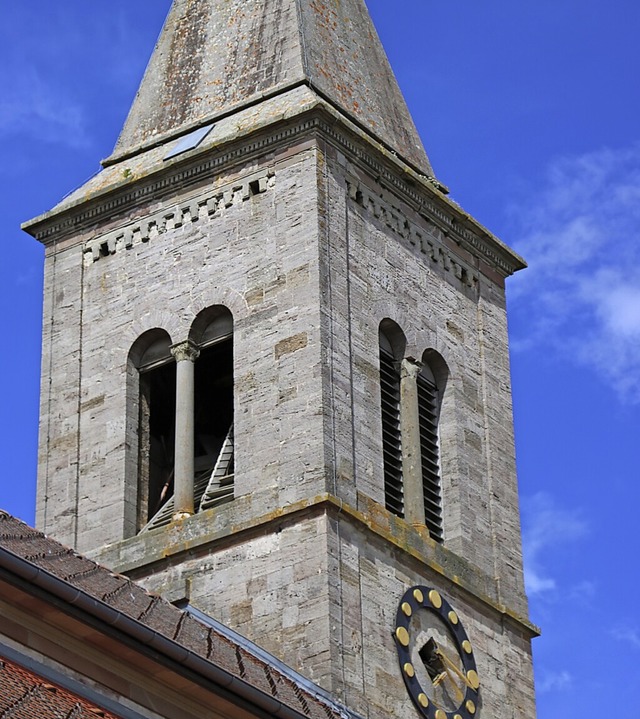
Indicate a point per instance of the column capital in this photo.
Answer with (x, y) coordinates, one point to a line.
(410, 368)
(186, 351)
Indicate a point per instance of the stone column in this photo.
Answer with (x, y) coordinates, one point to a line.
(410, 433)
(185, 353)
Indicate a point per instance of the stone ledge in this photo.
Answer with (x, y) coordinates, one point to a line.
(196, 535)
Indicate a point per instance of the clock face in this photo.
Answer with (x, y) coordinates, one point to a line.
(436, 656)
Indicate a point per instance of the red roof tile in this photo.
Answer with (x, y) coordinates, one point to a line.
(26, 695)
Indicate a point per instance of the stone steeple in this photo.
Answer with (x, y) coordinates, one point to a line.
(275, 368)
(215, 57)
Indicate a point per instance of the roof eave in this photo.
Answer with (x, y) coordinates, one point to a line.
(146, 639)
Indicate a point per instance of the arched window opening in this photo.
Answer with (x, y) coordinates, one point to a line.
(213, 422)
(206, 477)
(151, 355)
(410, 397)
(428, 411)
(392, 344)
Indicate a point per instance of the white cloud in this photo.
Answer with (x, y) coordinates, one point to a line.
(554, 681)
(545, 526)
(629, 635)
(582, 592)
(44, 112)
(580, 233)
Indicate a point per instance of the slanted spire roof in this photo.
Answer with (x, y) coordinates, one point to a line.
(215, 57)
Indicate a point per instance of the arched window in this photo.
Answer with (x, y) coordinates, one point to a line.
(410, 398)
(392, 345)
(185, 435)
(212, 332)
(154, 365)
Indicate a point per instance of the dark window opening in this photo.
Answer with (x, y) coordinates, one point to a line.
(213, 424)
(446, 672)
(432, 660)
(213, 461)
(157, 439)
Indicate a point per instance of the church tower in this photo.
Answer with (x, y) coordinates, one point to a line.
(275, 368)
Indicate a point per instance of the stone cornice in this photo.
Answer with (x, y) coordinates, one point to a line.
(420, 192)
(425, 195)
(409, 232)
(116, 200)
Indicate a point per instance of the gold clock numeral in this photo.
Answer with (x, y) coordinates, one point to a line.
(435, 598)
(403, 636)
(453, 617)
(418, 596)
(406, 609)
(440, 714)
(466, 645)
(471, 707)
(409, 670)
(472, 676)
(424, 701)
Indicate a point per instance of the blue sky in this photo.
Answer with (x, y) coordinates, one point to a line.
(530, 114)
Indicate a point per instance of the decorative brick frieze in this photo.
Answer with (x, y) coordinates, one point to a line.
(411, 233)
(203, 206)
(450, 218)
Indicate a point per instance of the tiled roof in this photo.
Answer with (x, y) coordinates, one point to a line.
(180, 629)
(25, 695)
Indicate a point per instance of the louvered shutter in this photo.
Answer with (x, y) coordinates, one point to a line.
(162, 517)
(391, 441)
(211, 487)
(428, 420)
(219, 486)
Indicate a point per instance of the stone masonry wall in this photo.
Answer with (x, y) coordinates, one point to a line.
(254, 250)
(414, 275)
(272, 587)
(367, 579)
(309, 253)
(58, 467)
(321, 592)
